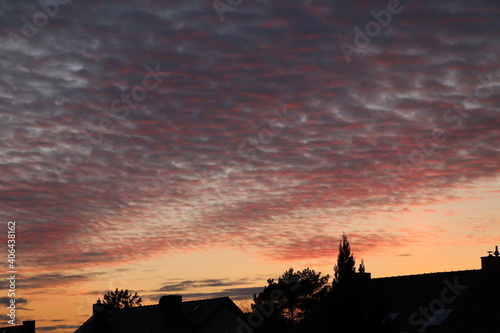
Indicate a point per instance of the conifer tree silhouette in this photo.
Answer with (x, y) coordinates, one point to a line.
(345, 269)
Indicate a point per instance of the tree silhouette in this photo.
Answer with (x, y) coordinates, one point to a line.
(299, 292)
(345, 269)
(121, 299)
(362, 268)
(352, 306)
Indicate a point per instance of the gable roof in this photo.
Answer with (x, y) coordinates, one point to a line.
(149, 318)
(456, 298)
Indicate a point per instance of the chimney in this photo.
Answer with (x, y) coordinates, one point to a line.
(490, 268)
(100, 312)
(171, 307)
(363, 280)
(28, 326)
(363, 284)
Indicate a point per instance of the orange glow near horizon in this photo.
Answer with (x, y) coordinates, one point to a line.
(440, 246)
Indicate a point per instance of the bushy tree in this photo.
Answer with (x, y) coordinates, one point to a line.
(291, 296)
(121, 299)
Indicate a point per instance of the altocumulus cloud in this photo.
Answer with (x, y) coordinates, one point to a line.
(172, 164)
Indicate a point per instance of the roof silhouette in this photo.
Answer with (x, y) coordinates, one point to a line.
(149, 318)
(463, 307)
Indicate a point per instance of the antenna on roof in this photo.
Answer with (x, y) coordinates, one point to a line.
(490, 253)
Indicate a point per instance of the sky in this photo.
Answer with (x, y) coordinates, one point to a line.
(200, 148)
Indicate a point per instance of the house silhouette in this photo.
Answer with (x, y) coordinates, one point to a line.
(447, 302)
(28, 326)
(171, 315)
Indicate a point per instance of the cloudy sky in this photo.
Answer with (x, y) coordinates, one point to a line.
(199, 148)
